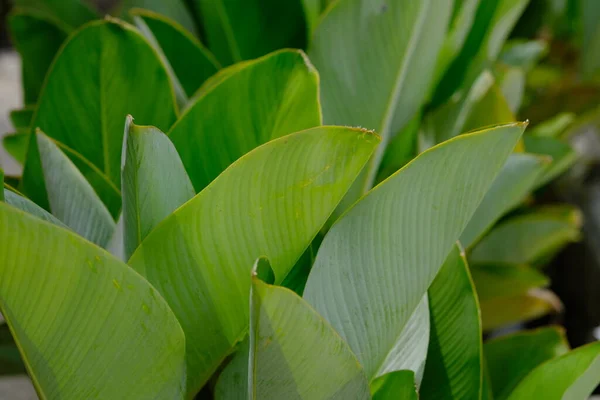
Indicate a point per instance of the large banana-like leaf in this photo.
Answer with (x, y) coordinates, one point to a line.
(516, 180)
(174, 10)
(73, 13)
(86, 324)
(510, 358)
(37, 37)
(257, 102)
(72, 199)
(454, 360)
(395, 385)
(105, 71)
(239, 30)
(389, 49)
(271, 202)
(379, 258)
(154, 182)
(295, 353)
(571, 376)
(527, 238)
(171, 40)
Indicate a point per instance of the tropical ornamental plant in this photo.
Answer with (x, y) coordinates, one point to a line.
(272, 200)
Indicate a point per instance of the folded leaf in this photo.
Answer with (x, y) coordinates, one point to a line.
(271, 202)
(103, 72)
(516, 180)
(154, 182)
(503, 280)
(527, 238)
(72, 199)
(294, 352)
(171, 41)
(510, 358)
(123, 341)
(498, 312)
(37, 37)
(239, 30)
(378, 260)
(173, 10)
(395, 385)
(364, 90)
(273, 96)
(571, 376)
(454, 359)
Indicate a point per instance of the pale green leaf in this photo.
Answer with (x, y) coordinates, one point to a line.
(553, 127)
(510, 358)
(527, 238)
(154, 182)
(378, 260)
(105, 71)
(454, 359)
(259, 101)
(239, 30)
(571, 376)
(395, 385)
(523, 53)
(72, 199)
(24, 204)
(122, 340)
(514, 183)
(271, 202)
(295, 353)
(37, 37)
(562, 154)
(376, 59)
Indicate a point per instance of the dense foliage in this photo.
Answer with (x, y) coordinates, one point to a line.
(277, 199)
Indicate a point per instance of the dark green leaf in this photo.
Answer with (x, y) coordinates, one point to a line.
(395, 385)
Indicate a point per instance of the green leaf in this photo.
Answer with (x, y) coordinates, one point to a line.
(527, 238)
(72, 199)
(37, 37)
(379, 258)
(24, 204)
(118, 325)
(553, 127)
(73, 13)
(498, 312)
(21, 118)
(232, 383)
(171, 41)
(166, 11)
(497, 280)
(268, 92)
(2, 181)
(105, 71)
(521, 352)
(286, 337)
(514, 183)
(271, 202)
(590, 63)
(494, 20)
(15, 144)
(312, 12)
(239, 30)
(571, 376)
(523, 53)
(454, 359)
(562, 154)
(154, 182)
(511, 81)
(395, 385)
(10, 359)
(364, 90)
